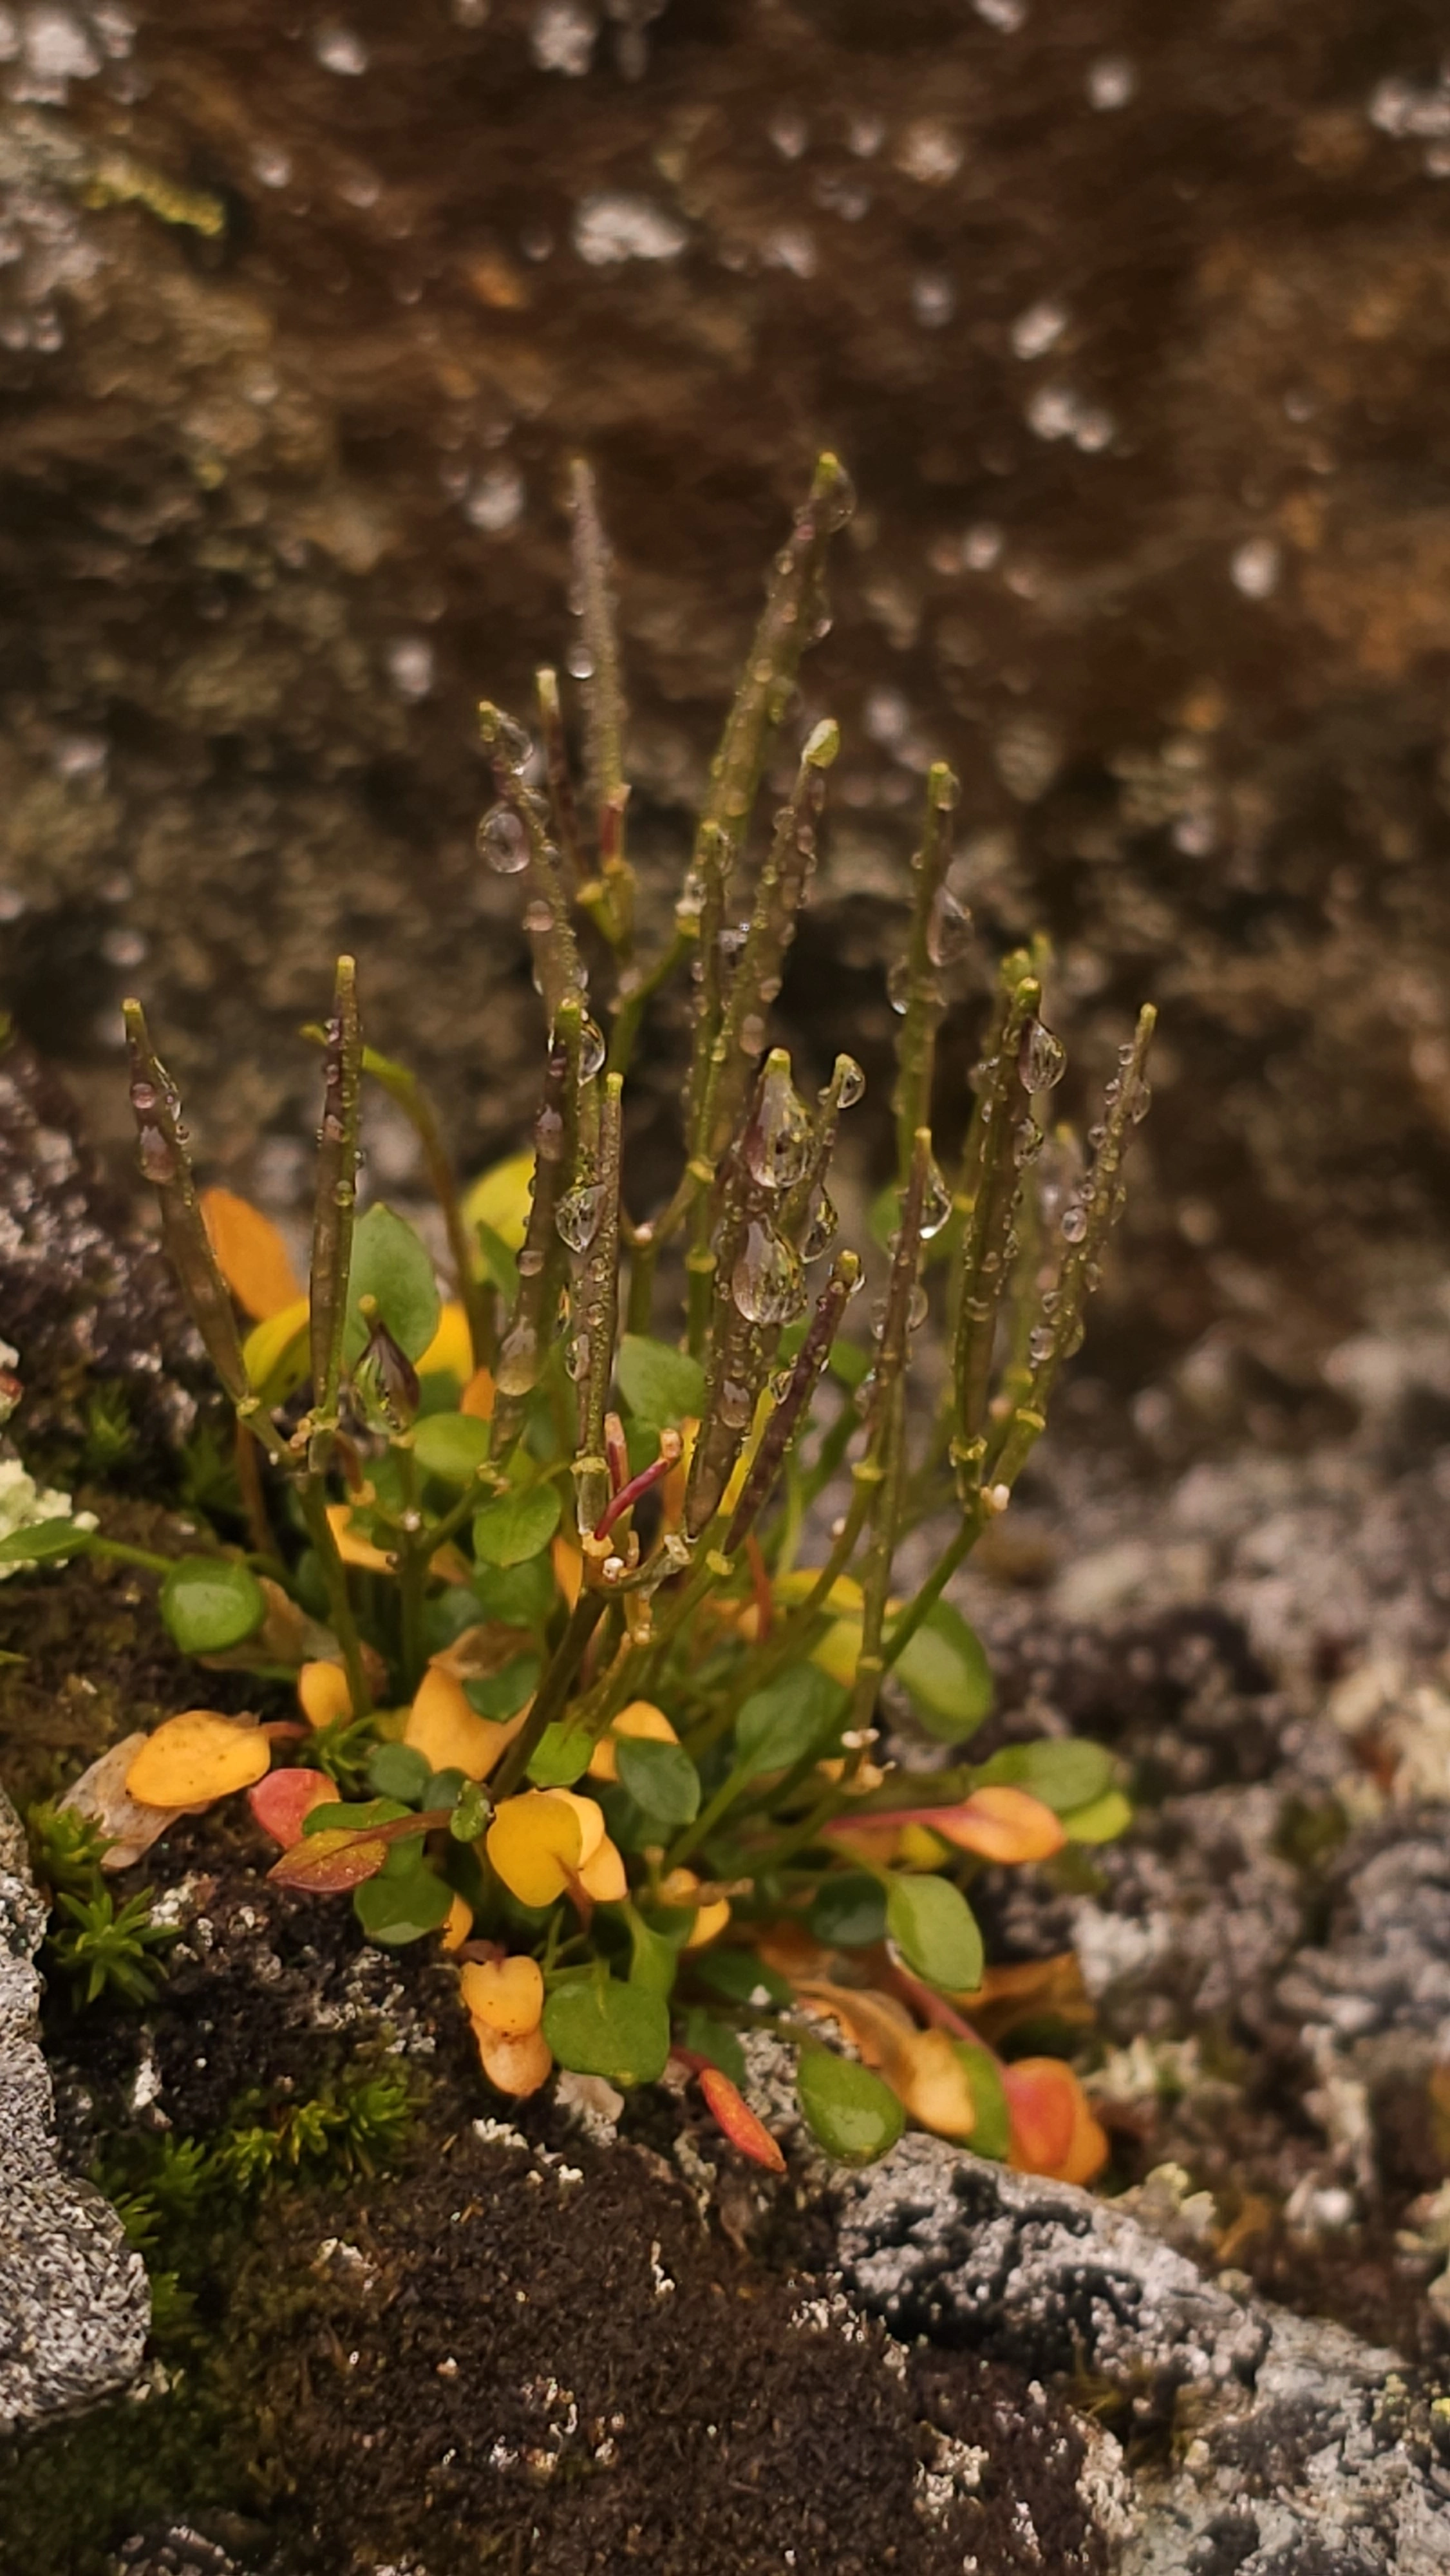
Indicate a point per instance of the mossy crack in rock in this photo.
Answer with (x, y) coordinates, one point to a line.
(74, 2303)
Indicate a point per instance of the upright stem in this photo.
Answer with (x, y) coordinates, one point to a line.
(336, 1202)
(550, 1697)
(312, 1496)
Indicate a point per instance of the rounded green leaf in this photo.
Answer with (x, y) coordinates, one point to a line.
(515, 1527)
(945, 1672)
(451, 1446)
(852, 2114)
(471, 1813)
(654, 1962)
(517, 1596)
(661, 1779)
(659, 1384)
(209, 1604)
(622, 2032)
(394, 1909)
(849, 1912)
(354, 1816)
(561, 1756)
(393, 1265)
(37, 1541)
(936, 1932)
(502, 1694)
(792, 1716)
(399, 1771)
(1101, 1821)
(1065, 1772)
(715, 2040)
(992, 2135)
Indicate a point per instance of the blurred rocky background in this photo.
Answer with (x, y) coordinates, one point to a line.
(1131, 324)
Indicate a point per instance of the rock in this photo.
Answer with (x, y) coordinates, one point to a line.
(1298, 2451)
(74, 2303)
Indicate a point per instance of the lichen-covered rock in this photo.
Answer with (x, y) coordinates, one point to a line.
(74, 2305)
(1298, 2451)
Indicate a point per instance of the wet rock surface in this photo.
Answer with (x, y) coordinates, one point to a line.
(1130, 330)
(1300, 2449)
(74, 2304)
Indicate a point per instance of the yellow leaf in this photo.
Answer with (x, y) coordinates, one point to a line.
(499, 1199)
(710, 1920)
(250, 1254)
(1001, 1824)
(478, 1395)
(458, 1923)
(508, 1994)
(452, 1735)
(921, 2066)
(845, 1595)
(451, 1350)
(196, 1757)
(603, 1876)
(641, 1719)
(514, 2066)
(352, 1547)
(839, 1651)
(323, 1694)
(275, 1352)
(536, 1844)
(568, 1567)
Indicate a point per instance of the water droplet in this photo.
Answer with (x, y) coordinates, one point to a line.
(1041, 1059)
(850, 1081)
(1074, 1222)
(949, 930)
(1076, 1336)
(978, 1308)
(1027, 1143)
(143, 1098)
(1040, 1344)
(898, 984)
(777, 1142)
(538, 916)
(692, 897)
(822, 1225)
(576, 1356)
(549, 1136)
(936, 1204)
(768, 1280)
(752, 1033)
(531, 1261)
(917, 1307)
(735, 1405)
(518, 1360)
(503, 841)
(577, 1216)
(157, 1159)
(591, 1050)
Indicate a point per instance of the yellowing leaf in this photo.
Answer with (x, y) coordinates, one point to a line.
(1054, 2131)
(603, 1875)
(1004, 1825)
(921, 2066)
(642, 1719)
(536, 1844)
(352, 1547)
(568, 1567)
(477, 1399)
(458, 1923)
(839, 1651)
(738, 2121)
(275, 1351)
(250, 1254)
(508, 1994)
(452, 1735)
(845, 1595)
(450, 1352)
(680, 1890)
(323, 1694)
(196, 1757)
(499, 1199)
(514, 2066)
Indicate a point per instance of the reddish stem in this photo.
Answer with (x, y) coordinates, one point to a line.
(628, 1495)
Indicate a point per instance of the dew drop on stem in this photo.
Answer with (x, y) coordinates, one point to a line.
(577, 1216)
(777, 1142)
(591, 1050)
(948, 929)
(503, 842)
(936, 1204)
(822, 1225)
(850, 1081)
(1074, 1222)
(767, 1283)
(735, 1404)
(1042, 1057)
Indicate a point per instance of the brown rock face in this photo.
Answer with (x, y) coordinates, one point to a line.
(1131, 326)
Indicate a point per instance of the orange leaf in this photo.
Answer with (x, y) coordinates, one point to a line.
(514, 2066)
(478, 1395)
(323, 1694)
(250, 1254)
(1054, 2131)
(568, 1567)
(1000, 1824)
(603, 1876)
(442, 1725)
(507, 1994)
(450, 1352)
(352, 1546)
(196, 1757)
(536, 1844)
(280, 1802)
(738, 2121)
(458, 1923)
(324, 1864)
(921, 2066)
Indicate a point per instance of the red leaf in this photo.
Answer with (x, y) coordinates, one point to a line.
(738, 2121)
(280, 1802)
(325, 1864)
(1042, 2097)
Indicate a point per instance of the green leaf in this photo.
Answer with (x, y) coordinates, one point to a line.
(850, 1363)
(706, 2037)
(561, 1756)
(1063, 1772)
(609, 2029)
(517, 1596)
(452, 1446)
(391, 1263)
(1101, 1821)
(354, 1816)
(209, 1604)
(394, 1909)
(39, 1540)
(654, 1961)
(502, 1694)
(945, 1671)
(661, 1779)
(855, 2117)
(793, 1715)
(661, 1385)
(444, 1787)
(740, 1976)
(936, 1932)
(849, 1912)
(471, 1813)
(399, 1771)
(515, 1527)
(992, 2135)
(497, 1261)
